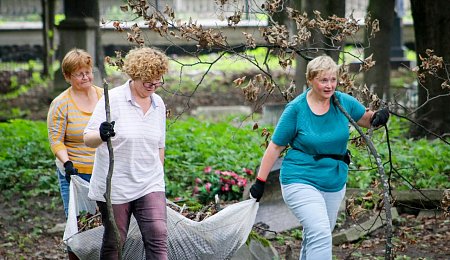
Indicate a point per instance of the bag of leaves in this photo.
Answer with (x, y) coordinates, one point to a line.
(218, 236)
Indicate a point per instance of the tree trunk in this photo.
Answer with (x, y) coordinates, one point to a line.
(327, 8)
(300, 63)
(45, 32)
(51, 29)
(432, 31)
(317, 40)
(336, 7)
(378, 77)
(92, 10)
(79, 29)
(100, 54)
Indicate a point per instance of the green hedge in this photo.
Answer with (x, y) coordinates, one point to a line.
(205, 158)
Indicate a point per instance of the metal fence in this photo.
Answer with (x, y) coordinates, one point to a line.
(18, 9)
(26, 10)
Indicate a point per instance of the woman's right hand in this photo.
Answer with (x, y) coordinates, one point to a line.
(107, 130)
(257, 189)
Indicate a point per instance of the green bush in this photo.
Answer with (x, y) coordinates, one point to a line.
(193, 145)
(422, 163)
(25, 158)
(225, 156)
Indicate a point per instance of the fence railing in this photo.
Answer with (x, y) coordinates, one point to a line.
(18, 9)
(23, 10)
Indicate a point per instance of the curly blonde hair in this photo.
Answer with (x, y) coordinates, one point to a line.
(74, 60)
(320, 64)
(146, 64)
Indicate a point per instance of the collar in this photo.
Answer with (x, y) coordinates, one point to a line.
(130, 98)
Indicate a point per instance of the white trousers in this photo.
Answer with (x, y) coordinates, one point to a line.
(317, 212)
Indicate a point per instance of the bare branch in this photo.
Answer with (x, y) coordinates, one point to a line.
(384, 181)
(107, 194)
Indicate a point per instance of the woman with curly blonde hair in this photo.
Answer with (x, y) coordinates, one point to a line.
(137, 132)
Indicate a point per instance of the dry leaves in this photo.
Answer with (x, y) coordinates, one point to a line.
(445, 202)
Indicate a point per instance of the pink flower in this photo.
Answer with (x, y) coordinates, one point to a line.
(207, 169)
(198, 180)
(195, 190)
(242, 182)
(248, 171)
(208, 187)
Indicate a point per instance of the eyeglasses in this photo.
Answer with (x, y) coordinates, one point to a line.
(327, 81)
(82, 75)
(157, 84)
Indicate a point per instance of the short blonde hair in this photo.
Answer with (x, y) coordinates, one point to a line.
(146, 64)
(319, 65)
(74, 60)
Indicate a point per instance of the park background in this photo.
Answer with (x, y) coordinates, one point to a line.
(225, 138)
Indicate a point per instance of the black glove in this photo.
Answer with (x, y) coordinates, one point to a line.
(70, 170)
(380, 117)
(257, 189)
(107, 130)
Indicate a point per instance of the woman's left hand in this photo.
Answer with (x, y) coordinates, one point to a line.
(380, 117)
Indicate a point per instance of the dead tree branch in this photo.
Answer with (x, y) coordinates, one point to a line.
(107, 194)
(384, 180)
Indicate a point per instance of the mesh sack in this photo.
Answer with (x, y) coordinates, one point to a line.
(78, 202)
(216, 237)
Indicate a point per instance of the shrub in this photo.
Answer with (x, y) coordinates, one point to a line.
(420, 163)
(193, 145)
(25, 158)
(228, 185)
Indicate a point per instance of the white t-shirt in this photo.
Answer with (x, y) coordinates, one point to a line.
(137, 166)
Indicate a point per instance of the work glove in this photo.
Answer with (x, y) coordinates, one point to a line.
(107, 130)
(70, 170)
(257, 189)
(380, 117)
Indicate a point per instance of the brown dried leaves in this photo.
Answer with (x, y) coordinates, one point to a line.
(272, 6)
(276, 35)
(367, 64)
(362, 93)
(118, 62)
(336, 28)
(445, 202)
(254, 86)
(136, 35)
(372, 26)
(235, 18)
(266, 134)
(431, 64)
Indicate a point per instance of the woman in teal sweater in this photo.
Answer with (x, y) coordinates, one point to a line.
(314, 171)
